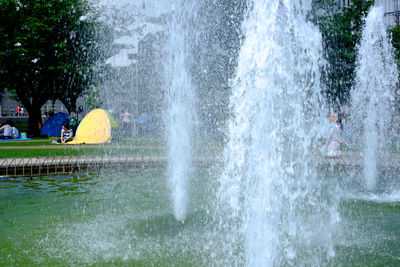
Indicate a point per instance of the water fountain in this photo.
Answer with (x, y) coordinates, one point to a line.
(373, 94)
(269, 203)
(274, 208)
(181, 107)
(164, 78)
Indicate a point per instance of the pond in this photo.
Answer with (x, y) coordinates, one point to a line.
(126, 219)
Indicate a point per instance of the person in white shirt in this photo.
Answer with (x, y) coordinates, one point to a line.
(6, 131)
(66, 134)
(335, 138)
(14, 132)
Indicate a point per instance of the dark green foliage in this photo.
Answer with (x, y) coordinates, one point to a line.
(47, 51)
(395, 34)
(341, 31)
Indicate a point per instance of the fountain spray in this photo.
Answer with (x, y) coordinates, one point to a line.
(372, 98)
(181, 107)
(273, 207)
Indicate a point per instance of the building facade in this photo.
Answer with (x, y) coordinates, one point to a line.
(391, 12)
(391, 8)
(11, 108)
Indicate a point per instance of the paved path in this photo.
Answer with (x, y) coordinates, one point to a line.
(81, 146)
(355, 159)
(94, 146)
(63, 164)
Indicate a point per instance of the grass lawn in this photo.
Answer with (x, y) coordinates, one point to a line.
(33, 153)
(43, 147)
(25, 143)
(40, 141)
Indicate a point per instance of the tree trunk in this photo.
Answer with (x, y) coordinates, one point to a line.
(70, 106)
(35, 120)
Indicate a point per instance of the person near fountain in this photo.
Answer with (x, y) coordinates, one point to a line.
(344, 133)
(335, 138)
(126, 118)
(66, 133)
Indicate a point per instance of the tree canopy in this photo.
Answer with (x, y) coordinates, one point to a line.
(341, 31)
(395, 34)
(47, 51)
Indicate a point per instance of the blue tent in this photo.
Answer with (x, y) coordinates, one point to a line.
(148, 123)
(143, 118)
(53, 126)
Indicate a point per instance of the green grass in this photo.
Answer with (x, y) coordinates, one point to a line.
(126, 146)
(25, 143)
(40, 141)
(32, 153)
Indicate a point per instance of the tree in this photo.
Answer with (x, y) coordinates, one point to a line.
(341, 32)
(46, 52)
(90, 41)
(395, 34)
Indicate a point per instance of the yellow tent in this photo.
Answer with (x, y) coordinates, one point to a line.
(113, 121)
(95, 128)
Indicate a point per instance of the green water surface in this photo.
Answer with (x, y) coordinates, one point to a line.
(125, 219)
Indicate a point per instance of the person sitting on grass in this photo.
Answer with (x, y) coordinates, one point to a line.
(14, 133)
(6, 131)
(66, 134)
